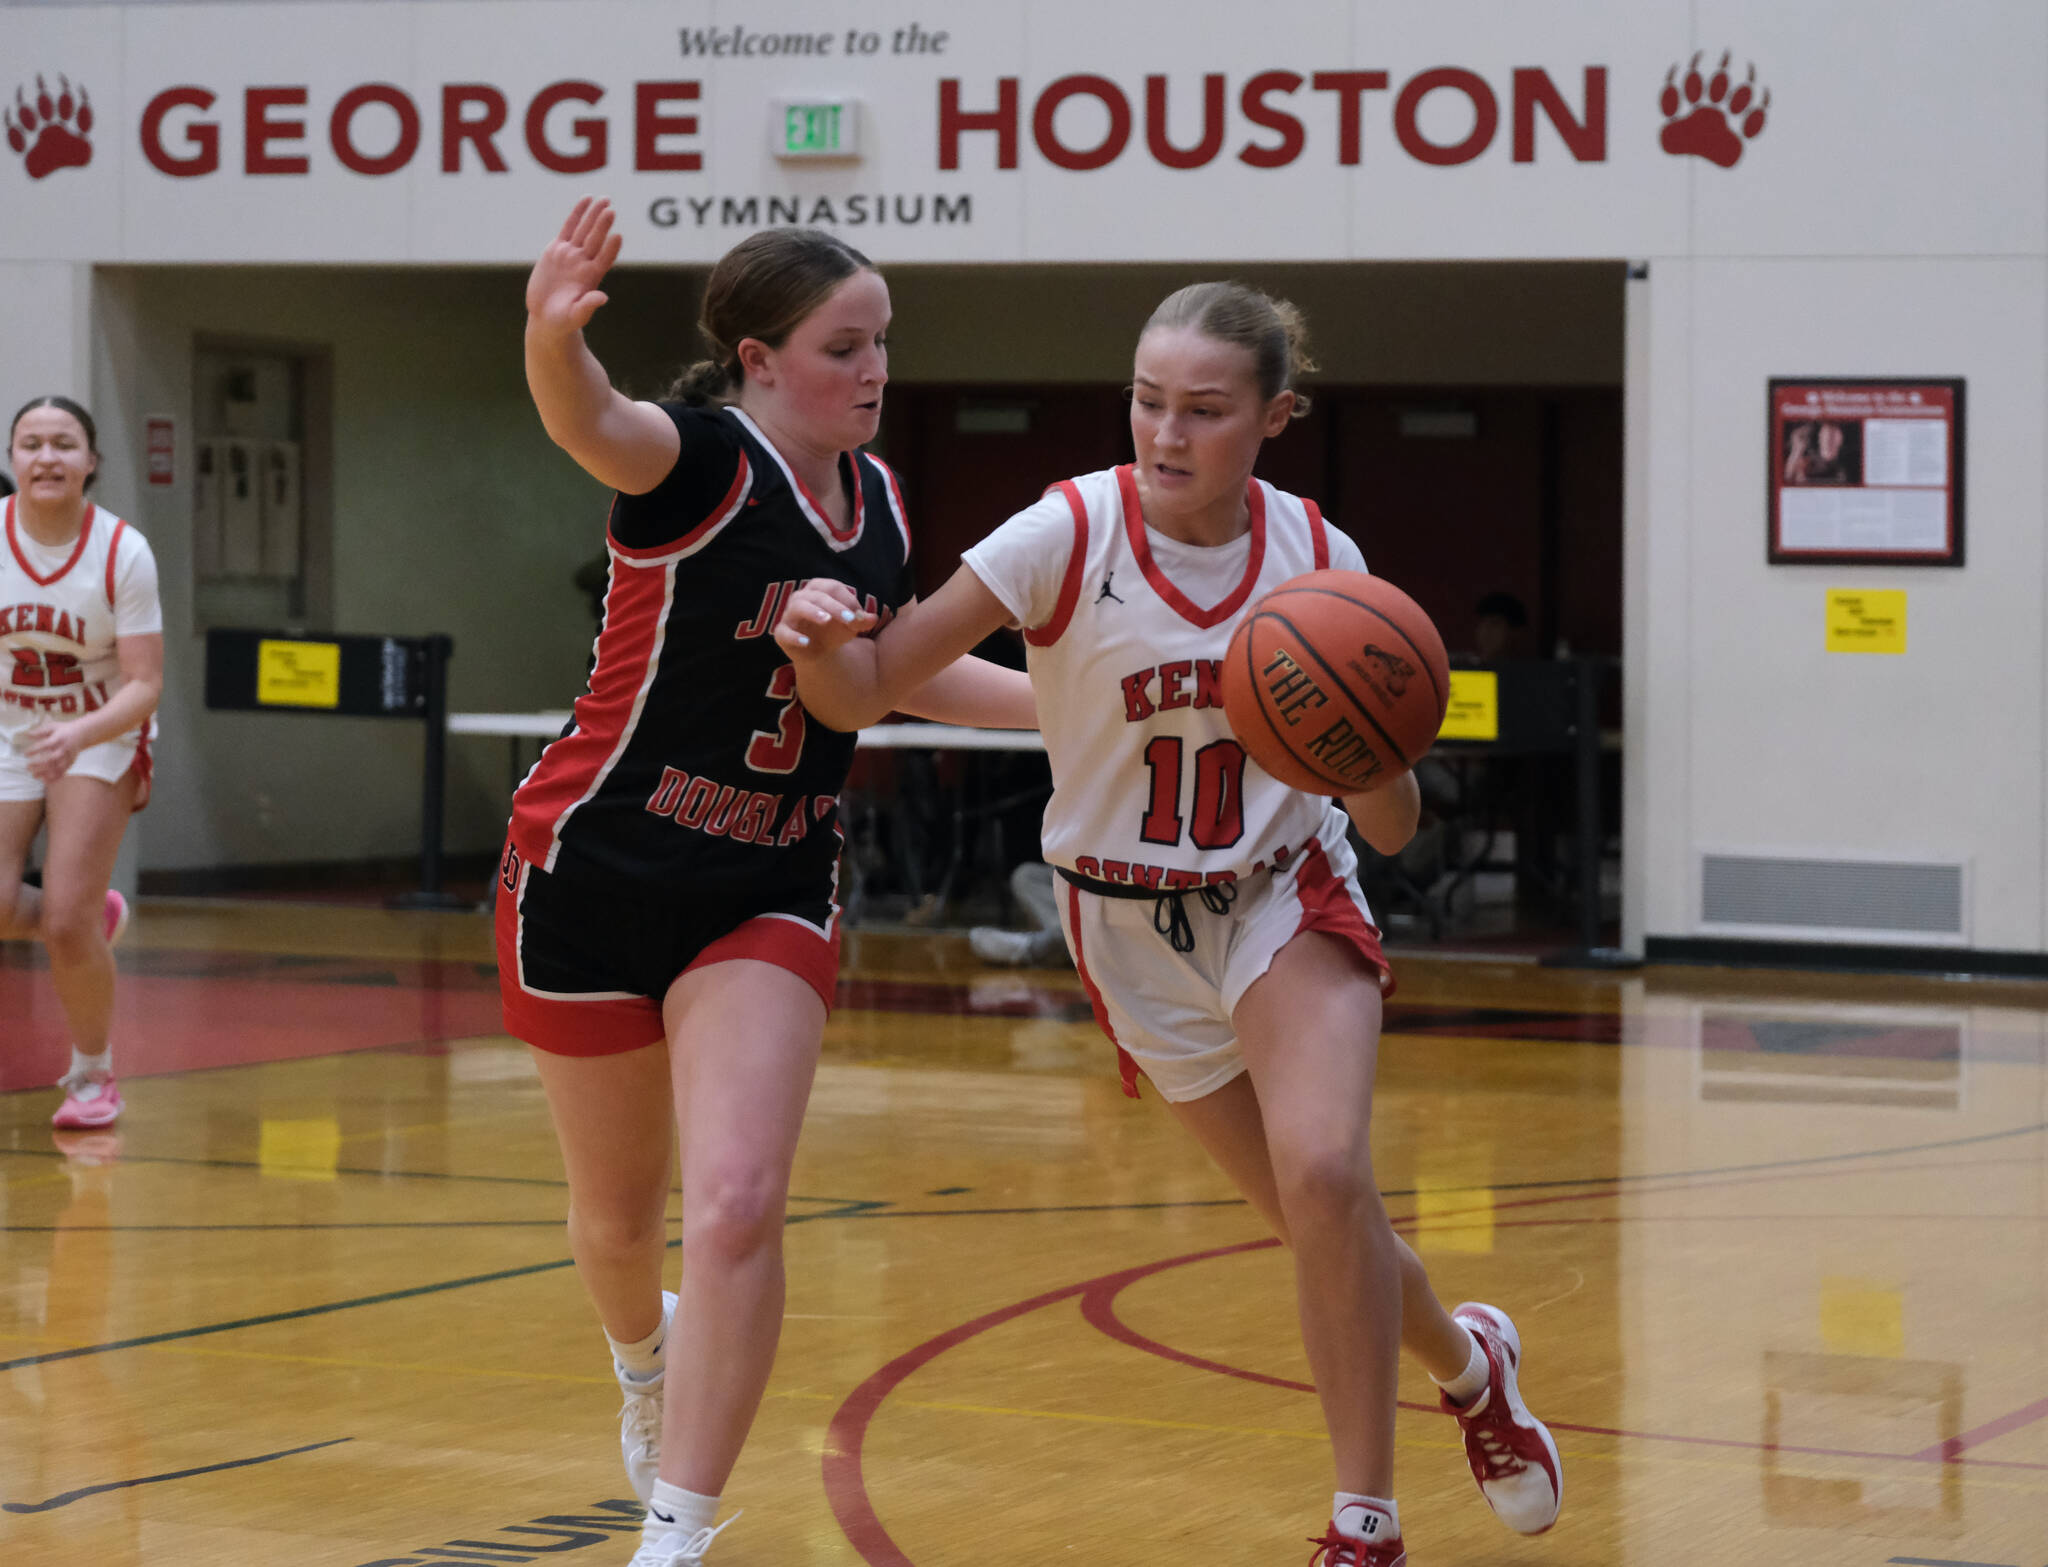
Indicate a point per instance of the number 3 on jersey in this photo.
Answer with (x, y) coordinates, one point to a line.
(778, 752)
(1217, 818)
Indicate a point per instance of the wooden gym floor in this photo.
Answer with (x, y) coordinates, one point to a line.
(1775, 1243)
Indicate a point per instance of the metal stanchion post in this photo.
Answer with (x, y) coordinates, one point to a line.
(434, 654)
(1586, 779)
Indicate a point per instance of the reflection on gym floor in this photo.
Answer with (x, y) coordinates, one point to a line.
(1776, 1245)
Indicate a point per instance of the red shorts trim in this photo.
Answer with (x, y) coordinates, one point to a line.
(581, 1028)
(786, 942)
(1327, 906)
(565, 1025)
(144, 770)
(608, 1024)
(1126, 1064)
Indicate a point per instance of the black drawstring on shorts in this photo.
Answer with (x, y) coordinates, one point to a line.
(1170, 913)
(1169, 909)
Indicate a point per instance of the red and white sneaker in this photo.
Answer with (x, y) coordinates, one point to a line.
(1510, 1450)
(116, 920)
(88, 1102)
(1364, 1541)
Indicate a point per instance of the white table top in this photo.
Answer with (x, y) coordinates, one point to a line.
(878, 737)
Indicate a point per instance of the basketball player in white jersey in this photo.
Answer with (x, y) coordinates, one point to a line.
(81, 668)
(1212, 911)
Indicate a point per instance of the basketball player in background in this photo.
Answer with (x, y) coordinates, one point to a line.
(1211, 910)
(81, 669)
(667, 922)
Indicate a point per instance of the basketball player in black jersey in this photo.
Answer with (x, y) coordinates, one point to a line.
(667, 931)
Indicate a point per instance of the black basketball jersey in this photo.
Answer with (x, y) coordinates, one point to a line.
(690, 757)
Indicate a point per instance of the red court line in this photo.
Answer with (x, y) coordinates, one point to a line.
(845, 1479)
(845, 1483)
(164, 1025)
(1098, 1306)
(1955, 1446)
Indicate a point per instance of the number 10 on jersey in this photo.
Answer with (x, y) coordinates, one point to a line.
(1216, 818)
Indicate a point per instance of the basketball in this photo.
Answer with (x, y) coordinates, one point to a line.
(1336, 682)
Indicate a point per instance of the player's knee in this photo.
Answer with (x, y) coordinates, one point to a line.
(618, 1231)
(1325, 1186)
(734, 1215)
(72, 932)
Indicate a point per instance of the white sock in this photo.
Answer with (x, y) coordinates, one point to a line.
(1471, 1382)
(84, 1066)
(673, 1508)
(1364, 1525)
(641, 1361)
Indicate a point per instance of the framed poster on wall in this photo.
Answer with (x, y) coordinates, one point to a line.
(1866, 471)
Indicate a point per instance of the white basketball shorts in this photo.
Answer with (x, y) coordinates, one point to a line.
(109, 761)
(1169, 1012)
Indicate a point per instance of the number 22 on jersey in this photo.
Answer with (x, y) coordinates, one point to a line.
(33, 667)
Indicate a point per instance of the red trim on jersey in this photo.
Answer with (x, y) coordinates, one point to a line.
(1182, 605)
(602, 1026)
(786, 942)
(895, 499)
(114, 554)
(840, 538)
(721, 514)
(811, 503)
(1327, 905)
(1127, 1067)
(1070, 584)
(144, 769)
(572, 768)
(21, 560)
(1318, 532)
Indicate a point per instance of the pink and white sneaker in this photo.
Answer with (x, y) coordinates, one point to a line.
(116, 920)
(1365, 1540)
(1510, 1450)
(88, 1102)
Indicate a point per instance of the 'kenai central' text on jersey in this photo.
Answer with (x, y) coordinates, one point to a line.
(1126, 631)
(63, 610)
(690, 754)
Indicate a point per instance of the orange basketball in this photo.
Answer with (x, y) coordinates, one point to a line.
(1336, 682)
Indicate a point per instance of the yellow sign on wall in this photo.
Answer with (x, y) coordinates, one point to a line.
(298, 674)
(1473, 712)
(1866, 620)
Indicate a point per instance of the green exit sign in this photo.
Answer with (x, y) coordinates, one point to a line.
(815, 128)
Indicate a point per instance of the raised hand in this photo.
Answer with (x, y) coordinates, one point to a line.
(819, 618)
(562, 294)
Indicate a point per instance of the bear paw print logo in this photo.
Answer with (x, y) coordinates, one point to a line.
(1720, 123)
(52, 131)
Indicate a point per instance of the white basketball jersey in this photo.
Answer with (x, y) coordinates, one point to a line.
(1126, 632)
(61, 609)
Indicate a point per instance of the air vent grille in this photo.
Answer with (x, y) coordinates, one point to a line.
(1890, 897)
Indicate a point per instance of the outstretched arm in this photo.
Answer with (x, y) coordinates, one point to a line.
(625, 445)
(848, 680)
(1386, 817)
(975, 692)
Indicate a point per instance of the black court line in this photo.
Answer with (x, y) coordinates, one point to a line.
(350, 1169)
(1499, 1186)
(210, 1229)
(863, 1208)
(345, 1169)
(853, 1208)
(874, 1208)
(180, 1474)
(1932, 1561)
